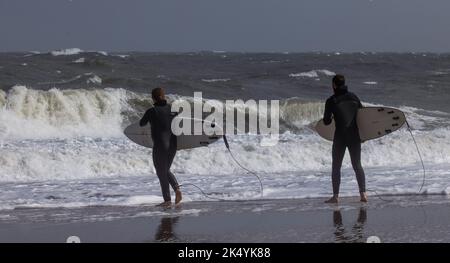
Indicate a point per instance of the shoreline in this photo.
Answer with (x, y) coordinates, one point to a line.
(416, 219)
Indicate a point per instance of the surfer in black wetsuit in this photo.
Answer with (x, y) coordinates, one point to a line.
(343, 107)
(164, 144)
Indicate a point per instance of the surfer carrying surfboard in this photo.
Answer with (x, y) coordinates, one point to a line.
(343, 107)
(164, 144)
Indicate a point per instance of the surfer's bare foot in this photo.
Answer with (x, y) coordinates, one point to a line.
(364, 197)
(165, 204)
(332, 200)
(178, 196)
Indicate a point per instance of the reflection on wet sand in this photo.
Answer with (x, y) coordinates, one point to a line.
(356, 235)
(165, 232)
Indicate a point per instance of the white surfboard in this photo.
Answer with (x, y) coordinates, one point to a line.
(143, 136)
(373, 122)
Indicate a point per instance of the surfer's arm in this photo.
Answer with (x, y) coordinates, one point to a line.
(145, 119)
(328, 113)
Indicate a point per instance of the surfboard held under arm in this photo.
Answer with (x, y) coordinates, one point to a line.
(143, 135)
(373, 122)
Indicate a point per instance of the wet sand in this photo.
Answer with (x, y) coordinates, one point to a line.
(402, 219)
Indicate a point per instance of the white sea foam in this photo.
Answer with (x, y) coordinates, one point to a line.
(36, 114)
(74, 51)
(370, 82)
(313, 73)
(215, 80)
(94, 80)
(66, 52)
(80, 60)
(61, 138)
(85, 158)
(440, 72)
(104, 53)
(31, 53)
(327, 72)
(145, 190)
(309, 74)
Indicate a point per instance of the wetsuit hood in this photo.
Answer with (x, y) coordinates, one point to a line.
(161, 103)
(341, 90)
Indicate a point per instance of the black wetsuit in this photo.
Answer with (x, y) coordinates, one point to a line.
(343, 107)
(164, 144)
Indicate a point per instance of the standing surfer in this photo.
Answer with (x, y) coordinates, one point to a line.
(164, 144)
(343, 107)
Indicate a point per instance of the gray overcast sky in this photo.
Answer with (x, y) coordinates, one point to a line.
(230, 25)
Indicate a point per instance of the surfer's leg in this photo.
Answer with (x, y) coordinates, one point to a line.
(171, 177)
(338, 155)
(355, 156)
(160, 162)
(174, 183)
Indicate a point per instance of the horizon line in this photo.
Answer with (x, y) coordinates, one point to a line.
(335, 52)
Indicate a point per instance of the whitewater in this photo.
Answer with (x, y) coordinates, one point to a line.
(66, 148)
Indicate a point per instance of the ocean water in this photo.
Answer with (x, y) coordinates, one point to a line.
(62, 114)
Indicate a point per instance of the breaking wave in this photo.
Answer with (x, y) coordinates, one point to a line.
(77, 134)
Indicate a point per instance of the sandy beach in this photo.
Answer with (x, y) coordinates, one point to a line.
(401, 219)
